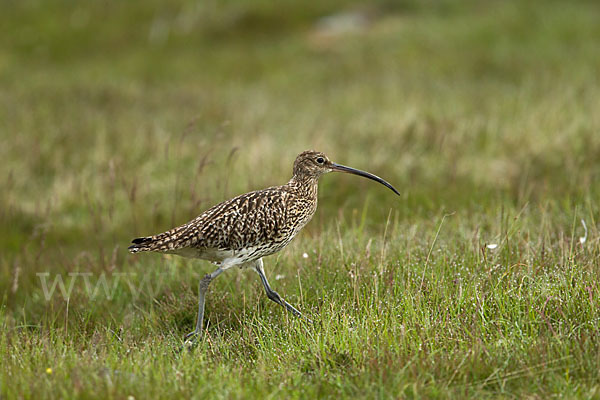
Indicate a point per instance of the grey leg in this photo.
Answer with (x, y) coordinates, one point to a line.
(202, 287)
(271, 294)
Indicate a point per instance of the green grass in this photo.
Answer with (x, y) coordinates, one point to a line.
(120, 119)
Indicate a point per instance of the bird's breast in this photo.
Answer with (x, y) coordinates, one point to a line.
(299, 214)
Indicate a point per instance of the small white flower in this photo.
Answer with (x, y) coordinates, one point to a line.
(583, 238)
(304, 255)
(492, 246)
(278, 277)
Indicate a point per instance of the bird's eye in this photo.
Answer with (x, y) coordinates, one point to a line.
(320, 160)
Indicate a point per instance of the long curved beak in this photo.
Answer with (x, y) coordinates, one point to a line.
(343, 168)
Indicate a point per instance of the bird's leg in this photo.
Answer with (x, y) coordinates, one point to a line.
(202, 287)
(271, 294)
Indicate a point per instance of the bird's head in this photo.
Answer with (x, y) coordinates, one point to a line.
(313, 164)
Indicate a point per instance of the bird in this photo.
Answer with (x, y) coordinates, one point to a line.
(241, 231)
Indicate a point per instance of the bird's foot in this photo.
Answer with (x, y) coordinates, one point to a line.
(192, 335)
(296, 313)
(306, 319)
(191, 340)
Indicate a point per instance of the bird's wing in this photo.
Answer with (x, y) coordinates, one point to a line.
(247, 220)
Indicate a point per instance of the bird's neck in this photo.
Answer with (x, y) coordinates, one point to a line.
(305, 186)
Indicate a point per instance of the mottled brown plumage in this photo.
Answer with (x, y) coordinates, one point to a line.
(242, 230)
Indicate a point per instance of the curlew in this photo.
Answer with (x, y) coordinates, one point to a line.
(243, 230)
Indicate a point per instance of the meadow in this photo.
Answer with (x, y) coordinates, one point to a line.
(122, 119)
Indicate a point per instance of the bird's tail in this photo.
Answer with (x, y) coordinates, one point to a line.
(165, 242)
(148, 243)
(142, 244)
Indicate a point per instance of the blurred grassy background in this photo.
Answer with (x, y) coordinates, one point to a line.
(120, 119)
(149, 112)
